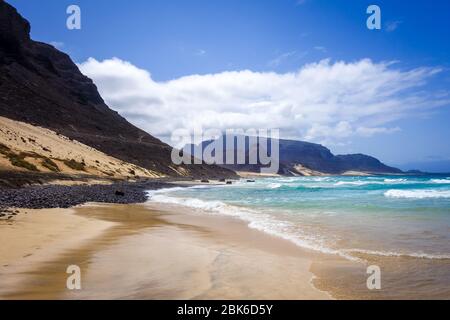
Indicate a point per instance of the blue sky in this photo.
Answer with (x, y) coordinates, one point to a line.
(174, 39)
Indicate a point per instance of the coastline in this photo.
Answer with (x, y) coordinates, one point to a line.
(151, 251)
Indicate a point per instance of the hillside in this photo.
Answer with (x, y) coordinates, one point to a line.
(305, 158)
(24, 147)
(41, 86)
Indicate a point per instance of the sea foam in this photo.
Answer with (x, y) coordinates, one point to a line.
(440, 181)
(277, 226)
(417, 194)
(256, 220)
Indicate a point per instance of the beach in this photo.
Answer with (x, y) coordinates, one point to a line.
(347, 224)
(148, 251)
(269, 238)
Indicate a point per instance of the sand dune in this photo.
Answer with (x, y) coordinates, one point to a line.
(25, 147)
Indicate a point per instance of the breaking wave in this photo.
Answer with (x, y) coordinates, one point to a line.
(417, 194)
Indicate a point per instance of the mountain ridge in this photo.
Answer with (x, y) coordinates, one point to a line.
(297, 157)
(42, 86)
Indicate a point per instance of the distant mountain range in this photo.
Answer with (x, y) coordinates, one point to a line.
(303, 158)
(433, 166)
(41, 86)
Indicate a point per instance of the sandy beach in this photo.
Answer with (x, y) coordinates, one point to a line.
(147, 251)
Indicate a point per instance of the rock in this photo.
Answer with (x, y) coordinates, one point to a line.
(229, 182)
(57, 196)
(204, 181)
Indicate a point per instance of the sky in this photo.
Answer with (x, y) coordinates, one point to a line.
(311, 68)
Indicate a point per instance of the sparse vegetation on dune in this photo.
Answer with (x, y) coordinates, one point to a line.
(50, 165)
(4, 149)
(18, 160)
(75, 165)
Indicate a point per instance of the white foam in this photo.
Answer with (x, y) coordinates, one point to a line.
(286, 230)
(274, 186)
(354, 183)
(440, 181)
(164, 190)
(395, 180)
(418, 255)
(373, 181)
(417, 194)
(259, 221)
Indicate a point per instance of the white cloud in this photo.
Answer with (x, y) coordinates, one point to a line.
(281, 58)
(320, 102)
(57, 44)
(368, 132)
(321, 49)
(393, 25)
(200, 52)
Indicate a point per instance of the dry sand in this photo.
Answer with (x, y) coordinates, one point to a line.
(148, 252)
(22, 137)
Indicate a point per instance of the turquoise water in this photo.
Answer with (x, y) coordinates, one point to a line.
(391, 216)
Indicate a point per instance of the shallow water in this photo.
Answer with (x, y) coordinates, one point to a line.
(399, 222)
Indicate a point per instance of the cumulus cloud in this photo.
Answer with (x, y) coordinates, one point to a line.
(322, 102)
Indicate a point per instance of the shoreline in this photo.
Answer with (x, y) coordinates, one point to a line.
(153, 250)
(73, 194)
(167, 252)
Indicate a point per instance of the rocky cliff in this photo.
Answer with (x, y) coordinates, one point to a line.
(300, 158)
(42, 86)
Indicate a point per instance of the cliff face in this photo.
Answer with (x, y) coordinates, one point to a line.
(42, 86)
(298, 157)
(319, 158)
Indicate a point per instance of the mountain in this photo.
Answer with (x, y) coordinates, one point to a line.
(41, 86)
(430, 166)
(302, 158)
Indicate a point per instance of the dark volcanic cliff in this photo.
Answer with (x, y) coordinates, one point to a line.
(311, 156)
(319, 158)
(42, 86)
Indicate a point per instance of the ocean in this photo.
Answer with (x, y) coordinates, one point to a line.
(401, 223)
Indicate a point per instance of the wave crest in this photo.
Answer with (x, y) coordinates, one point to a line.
(417, 194)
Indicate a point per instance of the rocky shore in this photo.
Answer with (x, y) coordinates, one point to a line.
(60, 196)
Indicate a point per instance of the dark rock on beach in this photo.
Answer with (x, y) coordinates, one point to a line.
(120, 193)
(57, 196)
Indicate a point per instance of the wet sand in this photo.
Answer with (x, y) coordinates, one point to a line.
(148, 251)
